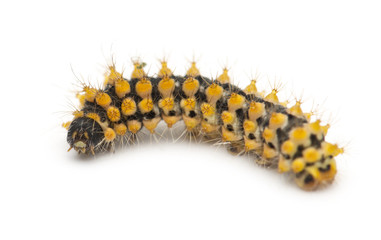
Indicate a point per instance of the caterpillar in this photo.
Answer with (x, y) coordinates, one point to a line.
(248, 121)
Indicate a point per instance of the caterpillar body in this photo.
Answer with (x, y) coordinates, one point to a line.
(247, 120)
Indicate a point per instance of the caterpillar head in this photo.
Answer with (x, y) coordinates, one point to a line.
(84, 135)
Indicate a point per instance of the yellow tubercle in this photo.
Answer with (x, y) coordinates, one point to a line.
(190, 86)
(207, 110)
(78, 114)
(190, 123)
(151, 124)
(272, 97)
(164, 71)
(113, 114)
(128, 106)
(170, 120)
(250, 126)
(167, 104)
(94, 116)
(214, 93)
(296, 110)
(90, 93)
(284, 165)
(229, 136)
(256, 110)
(236, 101)
(112, 75)
(66, 125)
(298, 165)
(166, 86)
(82, 99)
(251, 88)
(145, 105)
(109, 134)
(325, 129)
(268, 152)
(208, 128)
(120, 129)
(268, 134)
(188, 103)
(227, 117)
(143, 88)
(277, 120)
(224, 77)
(299, 135)
(122, 87)
(288, 148)
(193, 70)
(134, 126)
(103, 99)
(138, 71)
(330, 149)
(251, 145)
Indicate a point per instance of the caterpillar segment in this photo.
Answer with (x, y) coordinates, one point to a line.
(248, 121)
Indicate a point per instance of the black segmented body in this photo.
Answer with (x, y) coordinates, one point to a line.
(277, 135)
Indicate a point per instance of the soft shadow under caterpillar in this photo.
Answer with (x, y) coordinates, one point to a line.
(249, 121)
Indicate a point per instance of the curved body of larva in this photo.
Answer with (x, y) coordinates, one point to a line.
(246, 119)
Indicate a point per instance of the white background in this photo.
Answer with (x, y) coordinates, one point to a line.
(328, 52)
